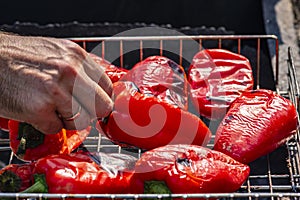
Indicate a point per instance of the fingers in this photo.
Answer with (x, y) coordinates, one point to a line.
(70, 112)
(92, 88)
(95, 100)
(79, 120)
(91, 68)
(81, 84)
(49, 124)
(97, 74)
(86, 101)
(61, 78)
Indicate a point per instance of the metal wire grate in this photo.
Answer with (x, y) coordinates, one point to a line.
(275, 176)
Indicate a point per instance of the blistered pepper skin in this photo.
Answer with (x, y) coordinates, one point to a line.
(78, 173)
(190, 169)
(161, 77)
(257, 123)
(113, 72)
(29, 144)
(217, 77)
(146, 122)
(16, 177)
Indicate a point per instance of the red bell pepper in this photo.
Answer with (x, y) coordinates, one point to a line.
(181, 169)
(87, 173)
(147, 122)
(113, 72)
(74, 173)
(217, 77)
(29, 144)
(16, 177)
(161, 77)
(256, 123)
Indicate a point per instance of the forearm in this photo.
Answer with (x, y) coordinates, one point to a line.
(10, 101)
(43, 81)
(22, 74)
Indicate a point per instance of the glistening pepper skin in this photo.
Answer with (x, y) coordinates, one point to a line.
(16, 177)
(146, 122)
(186, 169)
(217, 77)
(87, 173)
(113, 72)
(161, 77)
(74, 173)
(257, 123)
(29, 144)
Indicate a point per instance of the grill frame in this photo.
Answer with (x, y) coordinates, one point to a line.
(269, 189)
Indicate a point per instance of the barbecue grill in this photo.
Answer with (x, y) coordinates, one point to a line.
(274, 176)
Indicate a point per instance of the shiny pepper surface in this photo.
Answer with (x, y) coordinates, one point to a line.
(87, 173)
(186, 169)
(113, 72)
(146, 122)
(29, 144)
(16, 177)
(161, 77)
(217, 77)
(256, 124)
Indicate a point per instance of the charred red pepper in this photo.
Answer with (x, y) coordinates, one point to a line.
(147, 122)
(217, 77)
(29, 144)
(256, 123)
(181, 169)
(87, 173)
(74, 173)
(113, 72)
(161, 77)
(16, 177)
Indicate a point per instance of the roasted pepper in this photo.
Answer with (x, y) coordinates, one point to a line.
(112, 71)
(217, 77)
(161, 77)
(182, 169)
(16, 177)
(147, 122)
(87, 173)
(29, 144)
(74, 173)
(256, 123)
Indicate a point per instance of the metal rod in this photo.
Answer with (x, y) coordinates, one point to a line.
(141, 50)
(161, 47)
(276, 60)
(186, 37)
(84, 45)
(200, 44)
(258, 64)
(269, 176)
(121, 53)
(103, 49)
(180, 52)
(239, 45)
(148, 196)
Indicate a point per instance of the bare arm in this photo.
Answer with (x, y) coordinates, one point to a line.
(44, 80)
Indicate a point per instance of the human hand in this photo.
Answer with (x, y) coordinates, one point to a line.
(51, 83)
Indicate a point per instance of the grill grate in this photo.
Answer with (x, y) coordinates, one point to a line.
(275, 176)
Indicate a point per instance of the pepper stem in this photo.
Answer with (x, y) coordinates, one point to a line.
(10, 182)
(29, 138)
(156, 187)
(39, 186)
